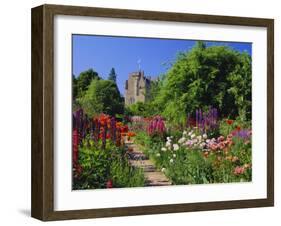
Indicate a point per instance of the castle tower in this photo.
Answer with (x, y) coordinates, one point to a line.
(137, 88)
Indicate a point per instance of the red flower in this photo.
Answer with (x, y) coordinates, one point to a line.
(78, 169)
(75, 145)
(109, 184)
(229, 121)
(124, 129)
(238, 128)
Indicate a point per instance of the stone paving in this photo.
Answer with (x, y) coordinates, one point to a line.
(138, 159)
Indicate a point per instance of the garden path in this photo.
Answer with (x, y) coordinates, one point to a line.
(138, 159)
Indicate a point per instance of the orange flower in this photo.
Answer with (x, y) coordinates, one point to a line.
(131, 134)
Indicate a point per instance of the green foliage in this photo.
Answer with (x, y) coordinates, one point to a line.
(190, 167)
(81, 83)
(138, 109)
(101, 165)
(102, 96)
(206, 76)
(225, 129)
(124, 175)
(112, 75)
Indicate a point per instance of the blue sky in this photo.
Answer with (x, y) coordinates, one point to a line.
(155, 55)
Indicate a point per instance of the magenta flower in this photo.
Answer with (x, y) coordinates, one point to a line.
(156, 126)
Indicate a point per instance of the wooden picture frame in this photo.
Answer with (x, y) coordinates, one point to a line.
(42, 203)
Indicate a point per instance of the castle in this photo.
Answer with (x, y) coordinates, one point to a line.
(137, 88)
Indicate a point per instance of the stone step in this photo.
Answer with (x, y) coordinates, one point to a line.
(156, 179)
(137, 155)
(146, 165)
(138, 159)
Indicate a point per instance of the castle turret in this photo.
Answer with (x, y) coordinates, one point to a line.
(137, 88)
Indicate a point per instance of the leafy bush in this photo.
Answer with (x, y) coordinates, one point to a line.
(102, 96)
(99, 166)
(206, 76)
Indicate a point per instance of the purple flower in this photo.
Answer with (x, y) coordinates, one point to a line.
(207, 120)
(244, 134)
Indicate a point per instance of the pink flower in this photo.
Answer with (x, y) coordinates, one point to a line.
(239, 170)
(214, 147)
(221, 145)
(221, 138)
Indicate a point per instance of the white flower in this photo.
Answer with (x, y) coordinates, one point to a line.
(176, 147)
(205, 136)
(184, 132)
(202, 144)
(163, 169)
(158, 154)
(199, 138)
(171, 160)
(208, 141)
(168, 143)
(192, 136)
(181, 140)
(168, 139)
(174, 155)
(194, 141)
(190, 133)
(163, 149)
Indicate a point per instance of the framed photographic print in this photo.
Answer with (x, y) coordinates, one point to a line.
(141, 112)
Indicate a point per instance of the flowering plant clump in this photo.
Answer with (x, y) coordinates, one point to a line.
(188, 140)
(244, 133)
(156, 126)
(204, 120)
(220, 144)
(100, 128)
(196, 157)
(99, 154)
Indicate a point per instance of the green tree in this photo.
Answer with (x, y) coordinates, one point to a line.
(215, 76)
(84, 80)
(102, 96)
(112, 75)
